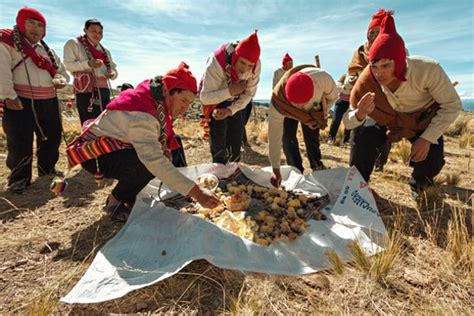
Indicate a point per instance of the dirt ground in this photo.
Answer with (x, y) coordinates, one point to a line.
(48, 242)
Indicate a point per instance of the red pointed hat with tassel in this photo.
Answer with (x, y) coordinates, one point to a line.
(390, 45)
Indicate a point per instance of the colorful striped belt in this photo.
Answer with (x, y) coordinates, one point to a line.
(36, 93)
(89, 146)
(101, 82)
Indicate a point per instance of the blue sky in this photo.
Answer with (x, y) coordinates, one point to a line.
(148, 37)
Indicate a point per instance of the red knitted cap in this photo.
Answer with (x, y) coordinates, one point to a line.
(29, 13)
(286, 58)
(299, 88)
(180, 78)
(389, 45)
(249, 48)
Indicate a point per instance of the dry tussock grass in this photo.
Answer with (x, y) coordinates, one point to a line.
(415, 274)
(403, 150)
(460, 126)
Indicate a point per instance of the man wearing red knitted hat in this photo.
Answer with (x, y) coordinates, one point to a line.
(30, 73)
(290, 126)
(92, 66)
(133, 139)
(359, 61)
(304, 93)
(229, 83)
(401, 97)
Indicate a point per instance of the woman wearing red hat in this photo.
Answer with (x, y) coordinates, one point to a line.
(92, 66)
(401, 97)
(304, 93)
(30, 73)
(131, 141)
(229, 83)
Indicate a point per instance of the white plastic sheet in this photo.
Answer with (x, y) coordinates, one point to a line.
(158, 241)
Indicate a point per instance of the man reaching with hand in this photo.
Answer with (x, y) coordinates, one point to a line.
(401, 97)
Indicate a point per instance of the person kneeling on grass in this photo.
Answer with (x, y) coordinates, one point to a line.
(132, 140)
(401, 97)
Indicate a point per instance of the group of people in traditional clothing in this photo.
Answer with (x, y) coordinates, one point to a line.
(384, 96)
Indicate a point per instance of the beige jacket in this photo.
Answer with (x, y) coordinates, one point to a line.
(426, 83)
(142, 131)
(40, 78)
(277, 75)
(215, 89)
(324, 87)
(75, 59)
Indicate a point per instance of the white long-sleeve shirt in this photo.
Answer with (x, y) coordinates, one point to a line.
(142, 130)
(324, 87)
(215, 89)
(75, 59)
(426, 83)
(277, 75)
(13, 72)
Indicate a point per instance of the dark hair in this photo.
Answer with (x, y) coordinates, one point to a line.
(92, 22)
(176, 91)
(125, 86)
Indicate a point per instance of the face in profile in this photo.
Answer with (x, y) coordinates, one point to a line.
(384, 71)
(34, 30)
(243, 66)
(372, 35)
(94, 33)
(179, 101)
(288, 65)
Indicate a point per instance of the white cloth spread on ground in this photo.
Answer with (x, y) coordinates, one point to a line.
(157, 241)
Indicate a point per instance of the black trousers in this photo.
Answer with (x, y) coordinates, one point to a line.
(178, 156)
(341, 107)
(132, 175)
(226, 137)
(124, 166)
(366, 142)
(83, 101)
(245, 117)
(291, 146)
(20, 128)
(384, 151)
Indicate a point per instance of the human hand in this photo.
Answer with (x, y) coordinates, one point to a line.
(95, 63)
(419, 150)
(110, 74)
(14, 104)
(276, 178)
(204, 197)
(220, 114)
(59, 81)
(365, 106)
(238, 87)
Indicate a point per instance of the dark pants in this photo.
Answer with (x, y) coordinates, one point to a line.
(382, 157)
(365, 144)
(246, 116)
(178, 156)
(291, 147)
(83, 101)
(226, 137)
(124, 166)
(20, 128)
(341, 107)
